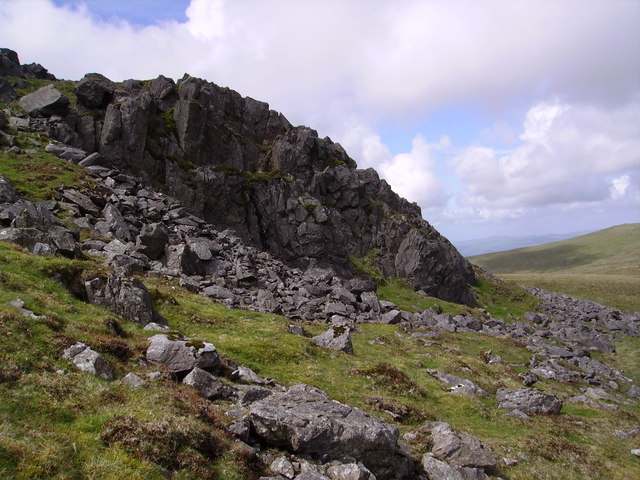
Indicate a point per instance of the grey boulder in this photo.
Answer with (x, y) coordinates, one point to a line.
(208, 386)
(337, 337)
(528, 400)
(127, 297)
(460, 449)
(45, 101)
(181, 354)
(87, 360)
(304, 420)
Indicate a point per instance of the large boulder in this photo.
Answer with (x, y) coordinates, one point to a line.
(304, 420)
(207, 385)
(152, 240)
(45, 101)
(182, 355)
(94, 90)
(528, 401)
(127, 297)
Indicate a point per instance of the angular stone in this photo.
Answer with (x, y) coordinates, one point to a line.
(87, 360)
(182, 355)
(8, 193)
(127, 297)
(132, 380)
(528, 401)
(152, 240)
(338, 338)
(66, 152)
(94, 90)
(459, 385)
(460, 449)
(282, 466)
(45, 101)
(349, 471)
(81, 200)
(207, 385)
(304, 420)
(392, 317)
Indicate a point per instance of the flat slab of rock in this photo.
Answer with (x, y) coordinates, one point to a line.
(528, 400)
(181, 354)
(304, 420)
(45, 101)
(460, 386)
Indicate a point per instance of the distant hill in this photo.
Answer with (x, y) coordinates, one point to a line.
(612, 251)
(499, 243)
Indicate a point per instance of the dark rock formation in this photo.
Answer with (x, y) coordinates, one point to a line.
(236, 164)
(127, 297)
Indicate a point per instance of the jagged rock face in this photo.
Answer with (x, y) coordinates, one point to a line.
(237, 164)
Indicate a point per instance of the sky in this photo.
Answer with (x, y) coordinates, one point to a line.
(497, 117)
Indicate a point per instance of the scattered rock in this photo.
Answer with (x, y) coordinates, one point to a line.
(337, 337)
(87, 360)
(45, 101)
(207, 385)
(132, 380)
(125, 296)
(528, 401)
(459, 449)
(182, 355)
(459, 385)
(304, 420)
(282, 466)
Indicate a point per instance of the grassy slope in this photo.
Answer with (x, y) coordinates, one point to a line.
(603, 266)
(613, 251)
(63, 426)
(54, 426)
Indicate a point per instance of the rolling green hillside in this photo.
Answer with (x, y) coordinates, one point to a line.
(603, 266)
(613, 251)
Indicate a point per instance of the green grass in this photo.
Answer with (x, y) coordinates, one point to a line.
(39, 175)
(616, 291)
(613, 251)
(75, 426)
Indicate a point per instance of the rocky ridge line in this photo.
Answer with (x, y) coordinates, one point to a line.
(237, 164)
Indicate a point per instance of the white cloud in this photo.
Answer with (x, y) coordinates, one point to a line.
(410, 174)
(341, 66)
(568, 154)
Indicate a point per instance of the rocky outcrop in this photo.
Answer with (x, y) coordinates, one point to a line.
(303, 420)
(237, 164)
